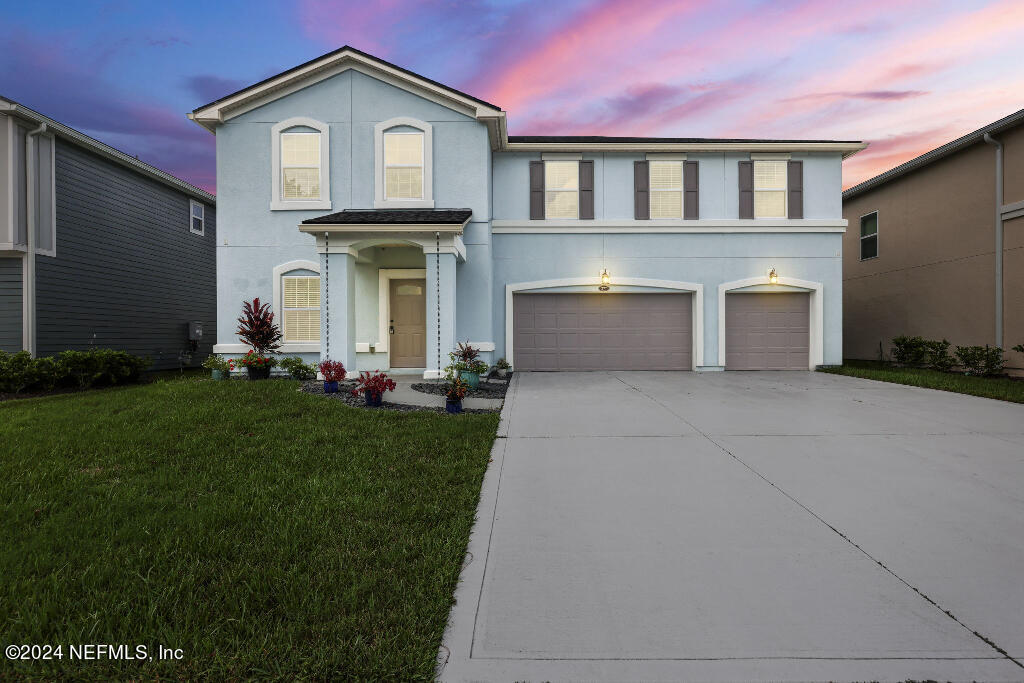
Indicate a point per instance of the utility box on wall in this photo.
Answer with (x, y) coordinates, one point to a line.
(195, 330)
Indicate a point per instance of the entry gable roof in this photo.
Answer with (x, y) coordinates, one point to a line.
(393, 217)
(330, 64)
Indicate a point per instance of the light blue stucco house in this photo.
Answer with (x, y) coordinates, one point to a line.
(388, 217)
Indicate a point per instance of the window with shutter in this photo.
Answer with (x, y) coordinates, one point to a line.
(300, 309)
(769, 189)
(561, 189)
(666, 189)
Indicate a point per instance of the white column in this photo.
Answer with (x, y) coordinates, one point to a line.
(338, 307)
(440, 280)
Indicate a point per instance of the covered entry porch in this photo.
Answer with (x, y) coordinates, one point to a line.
(387, 286)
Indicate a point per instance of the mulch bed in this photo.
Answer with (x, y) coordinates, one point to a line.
(345, 396)
(494, 388)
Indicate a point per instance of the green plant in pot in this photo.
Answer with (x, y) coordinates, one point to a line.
(466, 362)
(502, 367)
(219, 367)
(256, 327)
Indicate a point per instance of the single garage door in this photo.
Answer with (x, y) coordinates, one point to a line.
(602, 331)
(767, 331)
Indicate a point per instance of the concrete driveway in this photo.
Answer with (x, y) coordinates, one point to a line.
(744, 526)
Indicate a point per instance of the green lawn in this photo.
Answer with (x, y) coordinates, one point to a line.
(264, 531)
(1001, 388)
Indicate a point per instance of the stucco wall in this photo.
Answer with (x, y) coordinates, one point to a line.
(935, 271)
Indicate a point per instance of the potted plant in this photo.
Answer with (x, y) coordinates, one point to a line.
(257, 365)
(456, 391)
(333, 371)
(466, 361)
(372, 386)
(256, 327)
(502, 367)
(218, 367)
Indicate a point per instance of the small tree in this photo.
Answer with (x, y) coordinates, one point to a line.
(256, 327)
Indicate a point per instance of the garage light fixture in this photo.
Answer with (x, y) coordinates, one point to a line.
(606, 281)
(773, 276)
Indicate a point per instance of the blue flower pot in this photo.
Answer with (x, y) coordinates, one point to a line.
(453, 407)
(470, 378)
(330, 387)
(373, 400)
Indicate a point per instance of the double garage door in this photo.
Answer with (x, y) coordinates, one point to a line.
(586, 331)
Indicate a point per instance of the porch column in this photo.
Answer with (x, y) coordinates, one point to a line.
(440, 277)
(338, 307)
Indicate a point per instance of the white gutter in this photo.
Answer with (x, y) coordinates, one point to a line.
(999, 237)
(28, 290)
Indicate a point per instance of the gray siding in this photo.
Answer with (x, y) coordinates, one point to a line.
(128, 273)
(10, 304)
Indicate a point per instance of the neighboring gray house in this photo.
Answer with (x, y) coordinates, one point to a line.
(98, 249)
(405, 205)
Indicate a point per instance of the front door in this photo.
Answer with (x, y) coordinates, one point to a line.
(408, 324)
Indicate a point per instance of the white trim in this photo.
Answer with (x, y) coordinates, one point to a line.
(311, 347)
(192, 204)
(561, 156)
(384, 275)
(278, 271)
(665, 156)
(696, 307)
(276, 202)
(816, 345)
(669, 225)
(380, 201)
(482, 346)
(777, 156)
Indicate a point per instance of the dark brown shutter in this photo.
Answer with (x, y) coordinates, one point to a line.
(691, 198)
(795, 185)
(586, 189)
(536, 190)
(746, 189)
(641, 183)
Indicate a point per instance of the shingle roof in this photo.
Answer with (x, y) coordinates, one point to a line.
(393, 217)
(640, 140)
(1014, 119)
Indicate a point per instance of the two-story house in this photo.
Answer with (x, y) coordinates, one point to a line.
(388, 216)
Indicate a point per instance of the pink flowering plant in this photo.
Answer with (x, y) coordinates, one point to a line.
(253, 360)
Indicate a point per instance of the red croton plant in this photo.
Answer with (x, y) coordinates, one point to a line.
(374, 383)
(333, 370)
(256, 327)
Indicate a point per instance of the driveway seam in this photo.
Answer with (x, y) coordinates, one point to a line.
(984, 639)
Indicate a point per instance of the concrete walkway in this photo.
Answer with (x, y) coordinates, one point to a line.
(744, 526)
(405, 394)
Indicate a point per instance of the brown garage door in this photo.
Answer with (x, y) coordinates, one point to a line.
(601, 332)
(767, 331)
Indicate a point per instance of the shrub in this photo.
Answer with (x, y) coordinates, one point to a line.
(19, 371)
(466, 353)
(332, 370)
(82, 369)
(502, 364)
(456, 389)
(297, 369)
(981, 360)
(374, 383)
(256, 327)
(937, 355)
(909, 351)
(1019, 348)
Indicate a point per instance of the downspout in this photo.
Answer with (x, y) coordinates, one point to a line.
(999, 237)
(29, 292)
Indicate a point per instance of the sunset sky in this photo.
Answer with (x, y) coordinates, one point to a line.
(904, 76)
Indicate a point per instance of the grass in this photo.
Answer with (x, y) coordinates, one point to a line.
(1001, 388)
(266, 532)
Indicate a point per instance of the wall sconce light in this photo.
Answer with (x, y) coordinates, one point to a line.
(606, 281)
(773, 276)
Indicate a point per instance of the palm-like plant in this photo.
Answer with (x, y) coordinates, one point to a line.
(256, 327)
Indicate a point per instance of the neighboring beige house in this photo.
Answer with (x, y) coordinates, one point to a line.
(930, 248)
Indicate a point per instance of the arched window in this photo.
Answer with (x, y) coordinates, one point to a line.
(297, 304)
(403, 173)
(301, 165)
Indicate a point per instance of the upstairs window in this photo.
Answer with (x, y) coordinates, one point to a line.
(869, 236)
(666, 188)
(403, 165)
(301, 308)
(770, 189)
(561, 189)
(301, 167)
(197, 218)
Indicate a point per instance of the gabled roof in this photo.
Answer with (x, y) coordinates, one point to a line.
(1014, 119)
(393, 217)
(10, 107)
